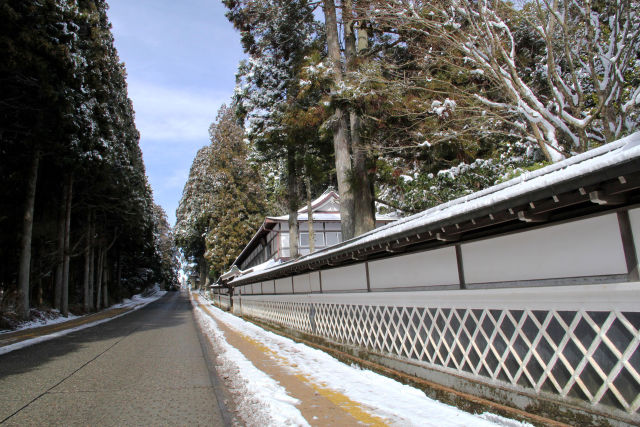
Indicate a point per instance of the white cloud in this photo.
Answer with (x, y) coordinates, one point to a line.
(177, 179)
(177, 114)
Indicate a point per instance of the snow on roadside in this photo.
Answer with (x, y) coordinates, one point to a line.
(140, 300)
(364, 386)
(263, 401)
(42, 321)
(136, 302)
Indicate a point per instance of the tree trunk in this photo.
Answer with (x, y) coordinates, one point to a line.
(106, 271)
(363, 210)
(40, 293)
(24, 269)
(105, 283)
(333, 45)
(99, 267)
(349, 32)
(86, 301)
(312, 233)
(364, 207)
(363, 37)
(292, 201)
(340, 128)
(92, 261)
(57, 291)
(118, 276)
(204, 272)
(343, 172)
(39, 288)
(64, 301)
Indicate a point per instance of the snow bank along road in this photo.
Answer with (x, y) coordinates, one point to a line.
(277, 381)
(145, 368)
(39, 331)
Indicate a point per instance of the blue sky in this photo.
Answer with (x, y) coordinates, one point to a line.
(181, 59)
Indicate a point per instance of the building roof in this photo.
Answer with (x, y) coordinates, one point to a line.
(325, 208)
(580, 184)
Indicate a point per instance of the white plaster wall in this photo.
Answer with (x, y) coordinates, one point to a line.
(283, 286)
(352, 277)
(634, 217)
(604, 297)
(301, 284)
(587, 247)
(332, 226)
(267, 287)
(314, 281)
(436, 267)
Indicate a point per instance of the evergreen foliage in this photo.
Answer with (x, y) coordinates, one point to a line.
(428, 87)
(195, 208)
(281, 112)
(238, 201)
(223, 201)
(281, 109)
(64, 102)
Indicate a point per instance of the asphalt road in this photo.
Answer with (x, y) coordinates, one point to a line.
(146, 368)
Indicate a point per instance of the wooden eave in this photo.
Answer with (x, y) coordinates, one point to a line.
(263, 230)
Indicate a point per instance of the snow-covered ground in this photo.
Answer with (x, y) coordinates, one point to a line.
(140, 300)
(136, 302)
(44, 318)
(265, 402)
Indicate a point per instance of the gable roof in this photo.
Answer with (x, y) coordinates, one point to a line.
(329, 201)
(326, 208)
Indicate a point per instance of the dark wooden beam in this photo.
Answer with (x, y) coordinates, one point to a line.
(393, 249)
(448, 237)
(602, 198)
(528, 216)
(628, 245)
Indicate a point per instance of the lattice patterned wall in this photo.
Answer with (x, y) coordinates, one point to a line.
(575, 355)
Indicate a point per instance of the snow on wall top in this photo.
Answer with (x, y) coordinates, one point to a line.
(614, 153)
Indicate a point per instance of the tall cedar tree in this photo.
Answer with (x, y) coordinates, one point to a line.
(195, 211)
(277, 35)
(238, 200)
(70, 154)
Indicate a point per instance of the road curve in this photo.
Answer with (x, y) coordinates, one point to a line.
(146, 368)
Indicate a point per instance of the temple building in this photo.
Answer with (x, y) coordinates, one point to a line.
(271, 241)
